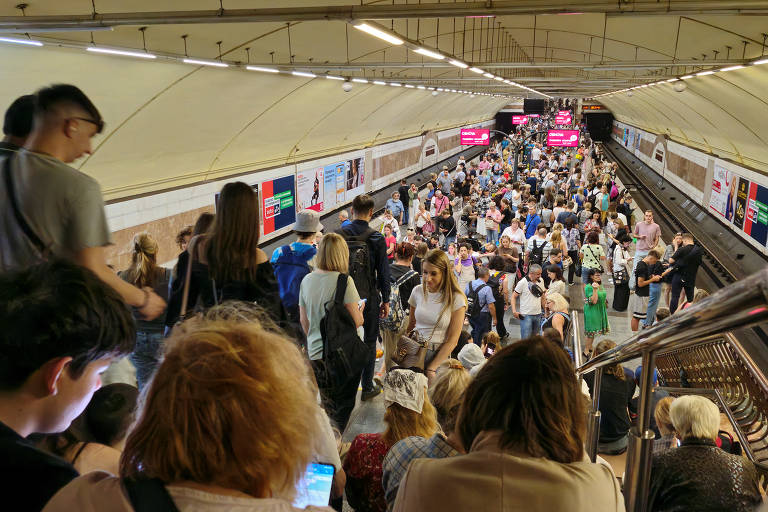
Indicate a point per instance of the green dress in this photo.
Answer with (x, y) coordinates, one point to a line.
(595, 315)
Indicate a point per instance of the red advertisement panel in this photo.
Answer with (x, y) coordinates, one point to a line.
(566, 138)
(475, 137)
(533, 116)
(519, 119)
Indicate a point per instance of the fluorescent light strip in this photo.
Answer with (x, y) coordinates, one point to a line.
(732, 68)
(303, 74)
(263, 70)
(395, 84)
(477, 70)
(368, 29)
(431, 88)
(206, 63)
(379, 82)
(429, 53)
(673, 80)
(458, 64)
(686, 77)
(705, 73)
(121, 52)
(759, 62)
(420, 87)
(331, 77)
(409, 86)
(487, 75)
(28, 42)
(498, 78)
(360, 80)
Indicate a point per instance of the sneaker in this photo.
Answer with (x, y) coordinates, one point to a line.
(367, 395)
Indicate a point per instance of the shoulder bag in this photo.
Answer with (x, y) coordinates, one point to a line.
(44, 251)
(412, 348)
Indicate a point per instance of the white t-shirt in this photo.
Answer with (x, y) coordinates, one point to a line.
(529, 303)
(518, 237)
(427, 312)
(622, 217)
(535, 154)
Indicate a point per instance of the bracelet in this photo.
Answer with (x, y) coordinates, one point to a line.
(146, 298)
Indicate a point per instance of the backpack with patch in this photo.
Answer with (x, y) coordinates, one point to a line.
(537, 253)
(397, 313)
(474, 307)
(360, 262)
(290, 269)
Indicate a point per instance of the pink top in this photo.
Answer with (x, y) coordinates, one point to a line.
(652, 233)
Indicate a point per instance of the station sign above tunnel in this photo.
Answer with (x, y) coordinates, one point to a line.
(475, 137)
(565, 138)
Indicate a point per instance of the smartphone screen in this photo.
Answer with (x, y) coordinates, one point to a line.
(314, 488)
(490, 349)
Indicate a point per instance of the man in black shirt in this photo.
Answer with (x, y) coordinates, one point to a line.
(647, 271)
(447, 225)
(60, 327)
(684, 265)
(375, 307)
(405, 198)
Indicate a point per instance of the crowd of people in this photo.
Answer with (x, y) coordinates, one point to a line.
(248, 364)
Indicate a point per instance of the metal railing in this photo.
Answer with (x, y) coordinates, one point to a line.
(741, 304)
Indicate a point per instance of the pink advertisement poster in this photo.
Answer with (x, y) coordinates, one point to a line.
(565, 138)
(519, 119)
(475, 137)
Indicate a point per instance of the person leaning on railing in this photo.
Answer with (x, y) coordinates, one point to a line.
(698, 475)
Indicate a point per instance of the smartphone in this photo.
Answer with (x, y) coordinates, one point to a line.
(490, 349)
(314, 488)
(362, 302)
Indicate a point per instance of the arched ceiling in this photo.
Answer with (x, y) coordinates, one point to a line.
(171, 123)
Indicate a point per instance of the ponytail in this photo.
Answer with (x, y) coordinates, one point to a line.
(144, 270)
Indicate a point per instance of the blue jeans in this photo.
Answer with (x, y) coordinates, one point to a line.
(638, 256)
(654, 292)
(491, 236)
(530, 325)
(585, 275)
(146, 355)
(481, 324)
(450, 240)
(371, 328)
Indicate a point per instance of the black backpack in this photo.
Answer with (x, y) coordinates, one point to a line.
(474, 307)
(344, 353)
(360, 262)
(537, 253)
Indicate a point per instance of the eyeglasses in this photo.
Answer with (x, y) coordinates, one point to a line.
(99, 124)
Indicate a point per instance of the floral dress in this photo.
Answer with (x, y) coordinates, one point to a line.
(595, 315)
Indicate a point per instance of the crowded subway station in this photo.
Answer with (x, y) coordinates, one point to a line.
(373, 256)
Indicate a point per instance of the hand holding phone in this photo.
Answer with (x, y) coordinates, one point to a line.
(361, 304)
(315, 486)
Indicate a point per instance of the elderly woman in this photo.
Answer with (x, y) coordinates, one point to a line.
(698, 475)
(523, 423)
(664, 424)
(409, 413)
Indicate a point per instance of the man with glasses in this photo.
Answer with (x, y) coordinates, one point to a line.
(51, 210)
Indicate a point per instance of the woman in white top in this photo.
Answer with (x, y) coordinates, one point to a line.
(515, 234)
(621, 273)
(391, 221)
(437, 309)
(218, 381)
(413, 194)
(422, 219)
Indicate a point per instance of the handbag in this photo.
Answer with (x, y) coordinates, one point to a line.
(491, 224)
(412, 349)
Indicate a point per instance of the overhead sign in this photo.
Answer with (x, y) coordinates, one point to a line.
(519, 119)
(562, 119)
(564, 113)
(475, 137)
(533, 116)
(565, 138)
(593, 107)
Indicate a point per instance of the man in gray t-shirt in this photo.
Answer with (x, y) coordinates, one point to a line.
(62, 207)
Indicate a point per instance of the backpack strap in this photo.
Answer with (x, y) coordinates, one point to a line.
(341, 289)
(148, 495)
(20, 220)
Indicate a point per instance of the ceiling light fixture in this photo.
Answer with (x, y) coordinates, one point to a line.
(686, 77)
(368, 29)
(395, 84)
(732, 68)
(409, 86)
(477, 70)
(124, 53)
(673, 80)
(304, 74)
(420, 87)
(487, 75)
(705, 73)
(28, 42)
(263, 70)
(500, 79)
(213, 63)
(458, 64)
(360, 80)
(429, 53)
(379, 82)
(759, 62)
(332, 77)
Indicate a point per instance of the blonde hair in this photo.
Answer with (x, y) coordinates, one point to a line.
(661, 415)
(449, 286)
(333, 253)
(556, 238)
(560, 302)
(695, 417)
(402, 422)
(144, 270)
(447, 393)
(221, 384)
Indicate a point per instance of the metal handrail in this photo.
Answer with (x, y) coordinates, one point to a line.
(741, 304)
(576, 337)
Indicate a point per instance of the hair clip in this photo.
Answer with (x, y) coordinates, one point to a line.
(456, 366)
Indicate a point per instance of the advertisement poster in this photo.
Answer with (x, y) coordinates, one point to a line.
(278, 208)
(355, 178)
(309, 189)
(475, 136)
(740, 210)
(329, 186)
(341, 178)
(565, 138)
(519, 119)
(756, 217)
(721, 200)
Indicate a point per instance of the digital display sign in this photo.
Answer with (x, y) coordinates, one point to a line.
(475, 137)
(519, 119)
(564, 138)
